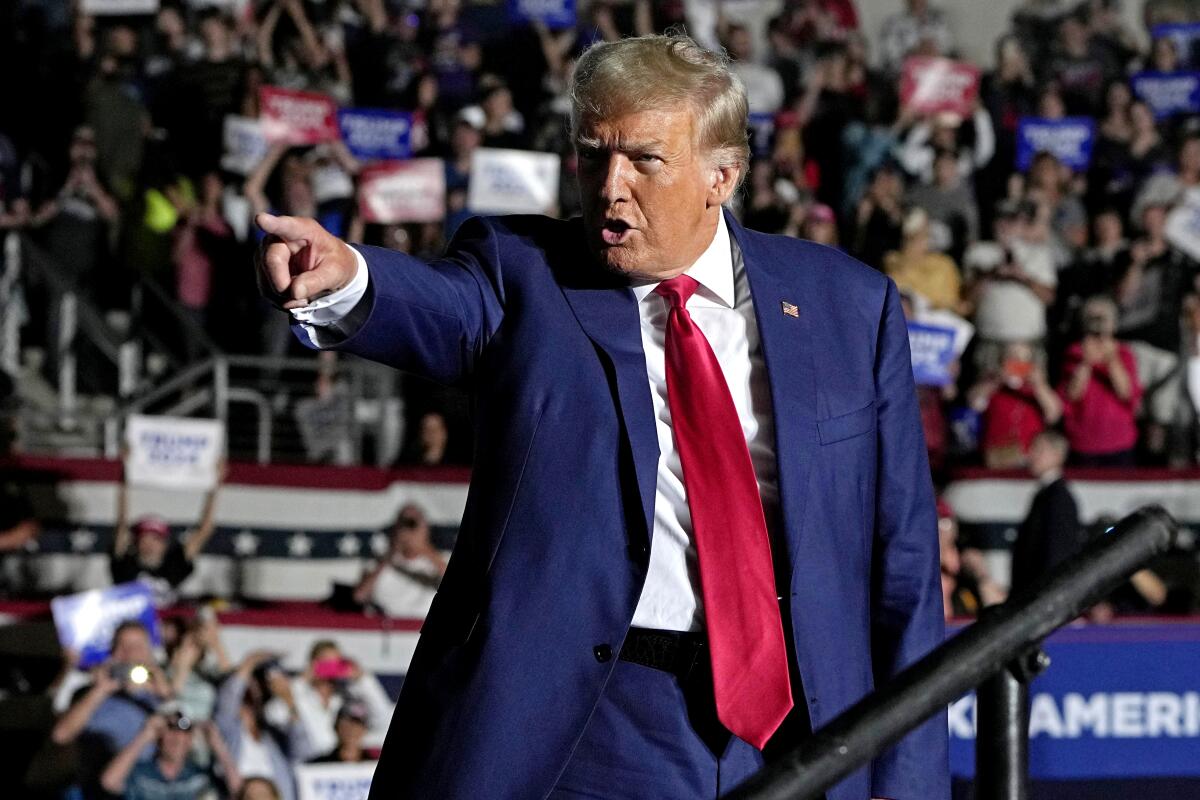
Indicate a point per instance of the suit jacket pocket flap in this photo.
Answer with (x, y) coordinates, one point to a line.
(845, 426)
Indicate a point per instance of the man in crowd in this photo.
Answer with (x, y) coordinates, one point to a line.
(147, 551)
(1050, 533)
(107, 714)
(623, 399)
(405, 580)
(173, 772)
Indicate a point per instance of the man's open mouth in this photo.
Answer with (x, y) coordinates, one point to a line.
(615, 231)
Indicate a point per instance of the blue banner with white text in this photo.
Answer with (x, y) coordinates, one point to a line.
(1068, 139)
(1118, 701)
(1168, 94)
(375, 134)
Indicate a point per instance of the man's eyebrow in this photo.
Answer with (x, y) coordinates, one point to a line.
(591, 143)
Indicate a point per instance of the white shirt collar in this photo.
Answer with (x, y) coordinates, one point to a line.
(713, 270)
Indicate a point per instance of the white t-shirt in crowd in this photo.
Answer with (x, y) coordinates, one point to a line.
(1008, 311)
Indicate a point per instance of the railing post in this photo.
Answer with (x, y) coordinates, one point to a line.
(65, 352)
(1002, 730)
(221, 388)
(10, 336)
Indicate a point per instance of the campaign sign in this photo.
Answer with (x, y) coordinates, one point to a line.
(1118, 701)
(554, 14)
(245, 144)
(932, 85)
(1186, 35)
(113, 7)
(1069, 140)
(85, 622)
(334, 781)
(932, 348)
(173, 452)
(297, 117)
(1183, 229)
(512, 182)
(1168, 94)
(376, 134)
(403, 191)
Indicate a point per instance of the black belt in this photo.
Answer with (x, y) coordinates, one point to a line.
(670, 651)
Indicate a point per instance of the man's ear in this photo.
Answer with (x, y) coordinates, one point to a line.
(724, 181)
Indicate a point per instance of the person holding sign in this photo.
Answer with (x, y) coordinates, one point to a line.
(694, 443)
(146, 551)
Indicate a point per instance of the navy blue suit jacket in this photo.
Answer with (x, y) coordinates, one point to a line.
(552, 552)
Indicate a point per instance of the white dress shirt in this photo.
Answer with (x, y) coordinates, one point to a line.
(723, 310)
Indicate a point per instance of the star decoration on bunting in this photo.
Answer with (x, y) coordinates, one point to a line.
(245, 543)
(349, 545)
(82, 540)
(299, 545)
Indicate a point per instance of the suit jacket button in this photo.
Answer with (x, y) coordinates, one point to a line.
(602, 652)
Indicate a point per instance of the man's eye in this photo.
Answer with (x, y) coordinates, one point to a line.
(648, 157)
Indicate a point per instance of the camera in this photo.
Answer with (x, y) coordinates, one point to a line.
(135, 674)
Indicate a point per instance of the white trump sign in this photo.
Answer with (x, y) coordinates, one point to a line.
(173, 452)
(100, 7)
(512, 182)
(334, 781)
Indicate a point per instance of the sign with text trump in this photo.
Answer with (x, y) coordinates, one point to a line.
(351, 781)
(1068, 139)
(932, 85)
(374, 134)
(403, 191)
(512, 182)
(173, 452)
(554, 14)
(296, 117)
(85, 622)
(1168, 93)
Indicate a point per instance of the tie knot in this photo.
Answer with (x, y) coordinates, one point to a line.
(678, 290)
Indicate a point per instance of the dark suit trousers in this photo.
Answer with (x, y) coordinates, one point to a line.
(656, 735)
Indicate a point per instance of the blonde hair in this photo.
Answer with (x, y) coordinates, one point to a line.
(652, 72)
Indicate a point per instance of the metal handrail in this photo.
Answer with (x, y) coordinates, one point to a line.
(974, 655)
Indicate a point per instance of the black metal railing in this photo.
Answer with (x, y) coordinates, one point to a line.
(1003, 645)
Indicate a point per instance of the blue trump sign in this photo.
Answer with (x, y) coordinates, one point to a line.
(1068, 139)
(375, 134)
(85, 622)
(1168, 94)
(932, 348)
(1118, 701)
(1185, 36)
(554, 14)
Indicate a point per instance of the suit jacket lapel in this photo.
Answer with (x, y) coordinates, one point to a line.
(609, 316)
(787, 343)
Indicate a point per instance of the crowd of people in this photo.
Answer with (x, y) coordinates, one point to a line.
(1081, 295)
(184, 721)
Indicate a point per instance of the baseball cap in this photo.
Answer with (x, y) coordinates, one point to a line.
(821, 213)
(152, 524)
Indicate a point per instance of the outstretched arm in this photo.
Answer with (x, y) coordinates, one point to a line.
(433, 319)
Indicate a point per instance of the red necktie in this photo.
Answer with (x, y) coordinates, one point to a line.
(737, 580)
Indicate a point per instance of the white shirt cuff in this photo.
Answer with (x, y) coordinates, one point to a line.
(328, 319)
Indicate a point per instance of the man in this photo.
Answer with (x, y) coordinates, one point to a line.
(405, 580)
(329, 683)
(146, 551)
(1050, 533)
(174, 772)
(105, 716)
(608, 616)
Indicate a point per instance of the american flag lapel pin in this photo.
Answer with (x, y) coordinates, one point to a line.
(791, 309)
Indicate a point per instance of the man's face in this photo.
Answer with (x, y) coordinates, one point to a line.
(649, 192)
(349, 731)
(150, 549)
(132, 647)
(1043, 457)
(175, 744)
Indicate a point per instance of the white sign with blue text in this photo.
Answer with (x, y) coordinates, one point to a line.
(173, 452)
(513, 182)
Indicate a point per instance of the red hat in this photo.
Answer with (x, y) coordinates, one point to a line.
(152, 524)
(819, 212)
